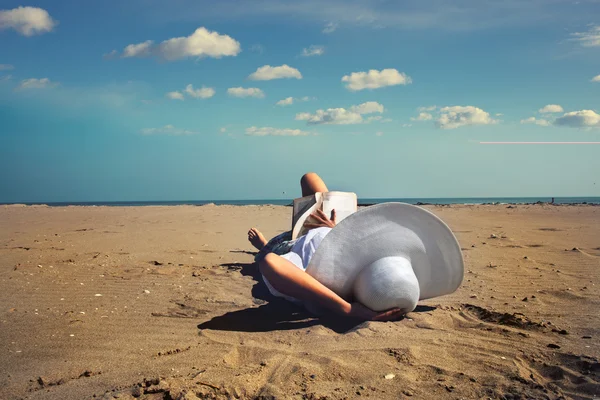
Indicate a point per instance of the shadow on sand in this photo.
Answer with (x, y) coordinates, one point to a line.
(277, 314)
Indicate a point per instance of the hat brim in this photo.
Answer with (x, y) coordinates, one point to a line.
(385, 230)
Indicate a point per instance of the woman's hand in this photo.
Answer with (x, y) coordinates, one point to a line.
(357, 310)
(320, 220)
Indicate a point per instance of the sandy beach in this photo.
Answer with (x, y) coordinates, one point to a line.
(166, 303)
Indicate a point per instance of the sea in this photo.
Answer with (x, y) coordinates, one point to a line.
(361, 201)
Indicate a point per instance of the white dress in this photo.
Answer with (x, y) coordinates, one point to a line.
(300, 256)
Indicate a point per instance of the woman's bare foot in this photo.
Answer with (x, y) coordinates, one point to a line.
(256, 238)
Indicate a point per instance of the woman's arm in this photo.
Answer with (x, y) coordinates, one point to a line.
(292, 281)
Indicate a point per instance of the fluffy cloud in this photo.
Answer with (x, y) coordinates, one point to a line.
(423, 116)
(341, 116)
(34, 83)
(28, 21)
(375, 79)
(6, 67)
(332, 116)
(596, 78)
(536, 121)
(246, 92)
(457, 116)
(579, 119)
(202, 93)
(285, 102)
(201, 43)
(551, 108)
(313, 50)
(110, 55)
(176, 95)
(138, 50)
(291, 100)
(369, 107)
(590, 38)
(269, 131)
(424, 109)
(167, 130)
(267, 73)
(330, 27)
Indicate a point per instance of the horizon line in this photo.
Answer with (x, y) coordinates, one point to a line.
(539, 142)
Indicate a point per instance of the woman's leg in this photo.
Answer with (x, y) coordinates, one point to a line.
(256, 238)
(312, 183)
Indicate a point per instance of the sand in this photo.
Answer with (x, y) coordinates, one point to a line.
(164, 302)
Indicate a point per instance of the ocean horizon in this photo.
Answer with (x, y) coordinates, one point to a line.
(361, 201)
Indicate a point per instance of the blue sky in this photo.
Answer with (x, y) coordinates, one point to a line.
(197, 100)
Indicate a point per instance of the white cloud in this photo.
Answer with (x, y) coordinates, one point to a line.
(378, 133)
(201, 43)
(551, 108)
(369, 107)
(110, 55)
(6, 67)
(269, 131)
(457, 116)
(590, 38)
(313, 50)
(341, 116)
(499, 114)
(285, 102)
(167, 130)
(34, 83)
(426, 109)
(267, 73)
(596, 78)
(330, 27)
(175, 95)
(332, 116)
(246, 92)
(138, 50)
(28, 21)
(375, 79)
(291, 100)
(202, 93)
(423, 116)
(223, 130)
(536, 121)
(579, 119)
(406, 125)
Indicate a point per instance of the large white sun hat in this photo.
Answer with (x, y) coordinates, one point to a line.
(389, 255)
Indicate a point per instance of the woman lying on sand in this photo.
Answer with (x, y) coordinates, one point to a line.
(289, 280)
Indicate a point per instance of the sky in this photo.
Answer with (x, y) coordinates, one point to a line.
(148, 100)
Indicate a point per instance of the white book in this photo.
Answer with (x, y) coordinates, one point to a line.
(344, 203)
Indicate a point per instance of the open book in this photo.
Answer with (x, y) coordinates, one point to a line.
(344, 203)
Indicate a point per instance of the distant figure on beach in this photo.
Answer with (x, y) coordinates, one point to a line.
(376, 265)
(285, 279)
(552, 202)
